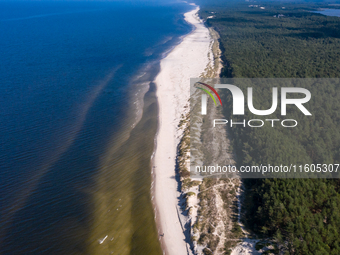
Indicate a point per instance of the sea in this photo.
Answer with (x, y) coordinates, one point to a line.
(329, 12)
(78, 119)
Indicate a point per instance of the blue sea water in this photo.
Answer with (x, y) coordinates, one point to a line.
(329, 12)
(72, 79)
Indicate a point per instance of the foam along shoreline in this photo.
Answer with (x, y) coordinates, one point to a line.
(187, 60)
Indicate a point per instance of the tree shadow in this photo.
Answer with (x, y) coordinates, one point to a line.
(182, 210)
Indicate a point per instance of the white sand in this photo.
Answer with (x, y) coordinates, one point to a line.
(187, 60)
(247, 247)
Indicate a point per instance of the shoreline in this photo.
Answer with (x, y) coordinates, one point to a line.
(188, 59)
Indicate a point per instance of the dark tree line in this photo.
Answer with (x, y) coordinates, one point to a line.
(303, 215)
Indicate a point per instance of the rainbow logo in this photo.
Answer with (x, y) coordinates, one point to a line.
(212, 89)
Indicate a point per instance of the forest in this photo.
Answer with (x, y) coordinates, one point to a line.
(285, 39)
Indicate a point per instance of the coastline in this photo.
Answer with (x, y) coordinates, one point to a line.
(187, 60)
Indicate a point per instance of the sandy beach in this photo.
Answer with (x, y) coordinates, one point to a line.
(187, 60)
